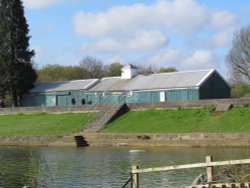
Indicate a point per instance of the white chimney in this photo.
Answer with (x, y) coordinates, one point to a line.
(129, 72)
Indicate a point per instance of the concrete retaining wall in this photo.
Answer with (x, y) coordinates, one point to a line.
(168, 139)
(159, 139)
(137, 139)
(27, 141)
(52, 109)
(189, 104)
(132, 106)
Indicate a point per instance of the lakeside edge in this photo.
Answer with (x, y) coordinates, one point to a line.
(135, 139)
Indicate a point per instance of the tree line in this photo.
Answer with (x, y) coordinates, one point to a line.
(91, 67)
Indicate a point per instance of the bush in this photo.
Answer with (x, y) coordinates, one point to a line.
(240, 90)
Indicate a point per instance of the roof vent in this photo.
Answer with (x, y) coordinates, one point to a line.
(129, 72)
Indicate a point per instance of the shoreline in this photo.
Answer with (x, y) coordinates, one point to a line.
(134, 139)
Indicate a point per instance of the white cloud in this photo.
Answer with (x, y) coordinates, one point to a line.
(38, 4)
(184, 16)
(198, 59)
(115, 59)
(164, 58)
(222, 38)
(140, 41)
(222, 19)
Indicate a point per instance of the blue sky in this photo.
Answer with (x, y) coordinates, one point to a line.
(186, 34)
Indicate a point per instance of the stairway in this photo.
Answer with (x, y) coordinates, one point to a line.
(106, 114)
(80, 141)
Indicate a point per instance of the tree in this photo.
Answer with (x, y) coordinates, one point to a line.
(146, 70)
(94, 67)
(114, 69)
(167, 69)
(51, 73)
(238, 59)
(17, 72)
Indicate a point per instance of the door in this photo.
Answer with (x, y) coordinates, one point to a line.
(162, 96)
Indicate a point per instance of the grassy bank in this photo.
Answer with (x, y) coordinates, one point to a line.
(183, 120)
(42, 124)
(152, 121)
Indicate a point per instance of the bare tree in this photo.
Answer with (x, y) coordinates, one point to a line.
(94, 67)
(238, 59)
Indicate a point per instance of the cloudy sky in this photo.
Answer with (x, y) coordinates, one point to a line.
(186, 34)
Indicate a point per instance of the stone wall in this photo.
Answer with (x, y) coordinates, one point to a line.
(189, 104)
(159, 139)
(168, 139)
(136, 140)
(27, 141)
(132, 106)
(53, 109)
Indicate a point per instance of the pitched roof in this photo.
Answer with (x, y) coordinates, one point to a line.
(63, 85)
(129, 66)
(185, 79)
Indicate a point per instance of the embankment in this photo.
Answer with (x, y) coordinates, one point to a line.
(132, 139)
(137, 139)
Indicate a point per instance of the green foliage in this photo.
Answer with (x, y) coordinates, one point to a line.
(114, 69)
(51, 73)
(90, 67)
(240, 90)
(17, 72)
(167, 69)
(42, 124)
(182, 120)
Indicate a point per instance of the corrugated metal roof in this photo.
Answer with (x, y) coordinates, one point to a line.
(111, 84)
(63, 86)
(154, 81)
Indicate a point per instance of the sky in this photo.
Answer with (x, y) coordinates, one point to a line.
(185, 34)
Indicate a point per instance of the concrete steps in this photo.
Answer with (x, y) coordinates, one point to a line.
(105, 115)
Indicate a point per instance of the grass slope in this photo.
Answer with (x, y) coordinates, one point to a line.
(42, 124)
(182, 120)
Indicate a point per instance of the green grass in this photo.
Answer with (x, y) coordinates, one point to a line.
(182, 120)
(42, 124)
(149, 121)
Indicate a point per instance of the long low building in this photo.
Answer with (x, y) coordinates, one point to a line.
(133, 88)
(57, 93)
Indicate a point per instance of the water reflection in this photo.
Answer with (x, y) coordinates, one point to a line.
(101, 166)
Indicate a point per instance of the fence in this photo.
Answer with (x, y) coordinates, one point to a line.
(209, 165)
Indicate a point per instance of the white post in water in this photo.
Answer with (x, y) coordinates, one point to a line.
(134, 178)
(209, 169)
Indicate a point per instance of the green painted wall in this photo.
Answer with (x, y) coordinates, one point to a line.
(214, 87)
(142, 97)
(52, 99)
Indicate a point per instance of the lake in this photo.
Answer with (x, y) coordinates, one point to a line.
(102, 166)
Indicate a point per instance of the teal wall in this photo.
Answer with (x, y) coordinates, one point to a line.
(52, 99)
(141, 97)
(214, 87)
(39, 100)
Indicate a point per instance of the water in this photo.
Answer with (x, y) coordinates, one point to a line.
(102, 166)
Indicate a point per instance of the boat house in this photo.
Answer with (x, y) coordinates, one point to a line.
(132, 88)
(57, 93)
(162, 87)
